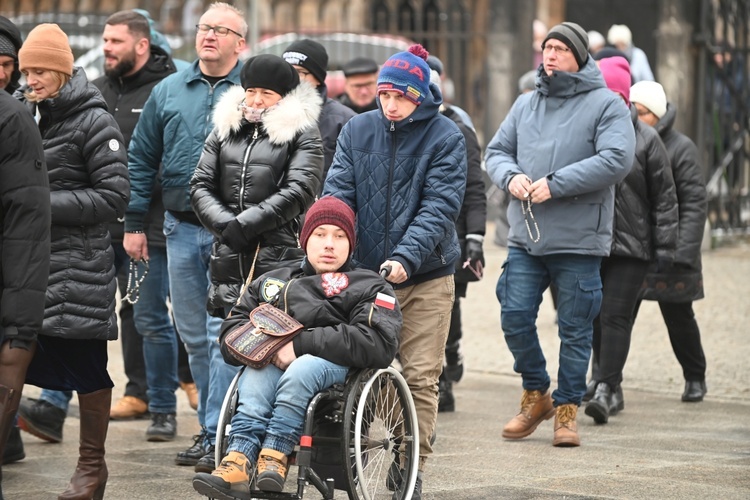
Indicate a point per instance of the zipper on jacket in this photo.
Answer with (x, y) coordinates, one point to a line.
(286, 289)
(241, 203)
(387, 235)
(439, 250)
(86, 243)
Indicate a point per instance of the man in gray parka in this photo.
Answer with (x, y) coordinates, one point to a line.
(558, 153)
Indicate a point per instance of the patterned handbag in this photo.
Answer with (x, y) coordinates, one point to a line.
(268, 330)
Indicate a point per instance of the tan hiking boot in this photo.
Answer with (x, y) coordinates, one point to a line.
(535, 407)
(566, 429)
(128, 407)
(191, 390)
(271, 470)
(232, 476)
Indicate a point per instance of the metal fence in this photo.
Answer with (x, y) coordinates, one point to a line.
(723, 112)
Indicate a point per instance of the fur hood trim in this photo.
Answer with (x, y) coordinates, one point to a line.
(297, 111)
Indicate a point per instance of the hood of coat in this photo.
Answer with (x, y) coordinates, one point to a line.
(666, 122)
(296, 112)
(563, 84)
(10, 30)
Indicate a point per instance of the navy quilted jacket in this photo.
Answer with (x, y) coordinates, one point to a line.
(406, 182)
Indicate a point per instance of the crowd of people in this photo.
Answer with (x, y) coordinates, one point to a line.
(199, 213)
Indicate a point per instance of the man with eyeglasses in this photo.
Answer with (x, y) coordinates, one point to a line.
(168, 141)
(310, 59)
(558, 153)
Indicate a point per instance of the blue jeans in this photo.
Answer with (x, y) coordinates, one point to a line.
(523, 281)
(272, 403)
(189, 253)
(153, 322)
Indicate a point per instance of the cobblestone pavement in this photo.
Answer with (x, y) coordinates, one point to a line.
(657, 448)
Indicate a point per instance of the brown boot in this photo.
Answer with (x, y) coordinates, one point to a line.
(566, 430)
(535, 407)
(90, 477)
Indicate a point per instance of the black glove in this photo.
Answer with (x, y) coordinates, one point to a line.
(474, 252)
(234, 237)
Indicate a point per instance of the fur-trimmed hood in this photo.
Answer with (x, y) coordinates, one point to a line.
(297, 111)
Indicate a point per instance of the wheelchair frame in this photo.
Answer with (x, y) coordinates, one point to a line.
(379, 447)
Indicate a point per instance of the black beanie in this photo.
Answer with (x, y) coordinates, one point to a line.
(310, 55)
(267, 71)
(574, 37)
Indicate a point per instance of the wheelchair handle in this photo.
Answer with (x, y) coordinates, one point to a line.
(385, 271)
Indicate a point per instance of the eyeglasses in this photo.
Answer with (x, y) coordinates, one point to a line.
(558, 49)
(218, 30)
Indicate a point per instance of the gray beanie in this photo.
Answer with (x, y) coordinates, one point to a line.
(7, 48)
(574, 37)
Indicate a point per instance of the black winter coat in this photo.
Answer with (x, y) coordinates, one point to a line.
(89, 188)
(645, 221)
(24, 223)
(10, 31)
(125, 98)
(684, 280)
(333, 117)
(473, 216)
(265, 175)
(343, 324)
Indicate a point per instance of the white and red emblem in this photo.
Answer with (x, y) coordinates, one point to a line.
(334, 283)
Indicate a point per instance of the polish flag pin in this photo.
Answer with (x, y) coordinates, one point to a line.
(386, 301)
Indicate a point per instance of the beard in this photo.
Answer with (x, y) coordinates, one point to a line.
(122, 68)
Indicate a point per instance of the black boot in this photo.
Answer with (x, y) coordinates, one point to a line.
(617, 401)
(598, 407)
(90, 476)
(13, 447)
(41, 419)
(447, 402)
(590, 390)
(8, 406)
(695, 390)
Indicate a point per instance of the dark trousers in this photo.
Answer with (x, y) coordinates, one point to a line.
(685, 337)
(622, 278)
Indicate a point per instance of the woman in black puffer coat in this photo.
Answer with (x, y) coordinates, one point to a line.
(89, 188)
(260, 170)
(645, 230)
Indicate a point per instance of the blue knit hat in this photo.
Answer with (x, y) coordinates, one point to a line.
(407, 73)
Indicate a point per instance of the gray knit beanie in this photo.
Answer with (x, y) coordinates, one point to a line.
(574, 37)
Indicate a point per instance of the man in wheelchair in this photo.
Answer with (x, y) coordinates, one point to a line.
(351, 320)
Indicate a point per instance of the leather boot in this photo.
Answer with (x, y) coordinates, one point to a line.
(598, 407)
(446, 401)
(535, 407)
(566, 429)
(8, 405)
(90, 478)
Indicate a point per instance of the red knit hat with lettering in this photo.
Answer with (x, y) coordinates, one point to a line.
(407, 73)
(46, 47)
(329, 210)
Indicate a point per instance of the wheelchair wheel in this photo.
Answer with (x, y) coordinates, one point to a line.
(228, 409)
(381, 437)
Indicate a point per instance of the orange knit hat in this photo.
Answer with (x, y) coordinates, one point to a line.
(46, 47)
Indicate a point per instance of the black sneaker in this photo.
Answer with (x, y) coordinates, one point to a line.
(417, 495)
(207, 462)
(13, 447)
(41, 419)
(163, 427)
(195, 452)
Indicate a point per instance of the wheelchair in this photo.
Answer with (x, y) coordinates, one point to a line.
(360, 437)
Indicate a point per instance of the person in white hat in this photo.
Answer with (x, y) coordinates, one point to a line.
(682, 283)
